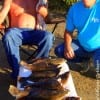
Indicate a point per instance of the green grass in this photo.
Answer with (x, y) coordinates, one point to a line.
(60, 5)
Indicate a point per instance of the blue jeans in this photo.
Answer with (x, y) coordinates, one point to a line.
(15, 37)
(80, 54)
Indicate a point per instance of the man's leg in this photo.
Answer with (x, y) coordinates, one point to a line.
(11, 42)
(80, 53)
(15, 37)
(44, 41)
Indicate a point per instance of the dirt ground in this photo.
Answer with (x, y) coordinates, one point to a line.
(86, 85)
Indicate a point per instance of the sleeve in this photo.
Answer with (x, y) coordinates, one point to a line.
(69, 21)
(44, 2)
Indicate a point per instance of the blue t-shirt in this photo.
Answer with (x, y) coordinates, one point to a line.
(87, 22)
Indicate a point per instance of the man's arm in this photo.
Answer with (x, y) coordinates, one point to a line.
(42, 8)
(4, 10)
(68, 50)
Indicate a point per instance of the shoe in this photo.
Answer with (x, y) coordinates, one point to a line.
(24, 75)
(73, 98)
(85, 67)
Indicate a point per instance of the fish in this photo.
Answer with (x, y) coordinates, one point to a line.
(51, 83)
(43, 64)
(49, 89)
(44, 83)
(44, 94)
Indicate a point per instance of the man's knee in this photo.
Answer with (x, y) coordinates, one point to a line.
(59, 51)
(12, 37)
(8, 35)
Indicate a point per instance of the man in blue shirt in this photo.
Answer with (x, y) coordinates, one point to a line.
(85, 17)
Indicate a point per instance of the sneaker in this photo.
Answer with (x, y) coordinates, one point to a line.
(23, 73)
(85, 67)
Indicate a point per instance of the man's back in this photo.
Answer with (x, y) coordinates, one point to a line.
(23, 13)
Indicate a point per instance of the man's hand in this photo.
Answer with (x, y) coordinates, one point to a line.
(69, 53)
(43, 11)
